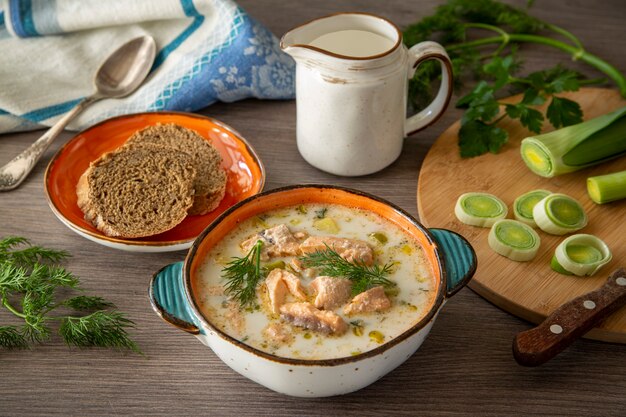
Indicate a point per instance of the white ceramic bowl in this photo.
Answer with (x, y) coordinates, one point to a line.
(172, 297)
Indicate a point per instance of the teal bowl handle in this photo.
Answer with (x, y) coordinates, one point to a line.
(459, 259)
(168, 298)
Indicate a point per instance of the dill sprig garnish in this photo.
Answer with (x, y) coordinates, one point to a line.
(363, 277)
(29, 280)
(242, 276)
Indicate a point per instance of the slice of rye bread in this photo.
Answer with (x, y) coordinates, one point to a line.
(137, 192)
(210, 183)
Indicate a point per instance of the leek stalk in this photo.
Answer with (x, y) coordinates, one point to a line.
(606, 188)
(575, 147)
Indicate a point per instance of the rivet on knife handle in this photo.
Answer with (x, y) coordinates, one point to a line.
(569, 322)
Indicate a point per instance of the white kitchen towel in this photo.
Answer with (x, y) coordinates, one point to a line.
(208, 50)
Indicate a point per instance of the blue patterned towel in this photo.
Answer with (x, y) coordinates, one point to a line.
(208, 50)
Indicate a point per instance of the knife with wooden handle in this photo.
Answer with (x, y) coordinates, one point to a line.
(569, 322)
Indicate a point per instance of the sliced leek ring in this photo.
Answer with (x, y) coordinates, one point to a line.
(581, 255)
(556, 266)
(514, 240)
(524, 204)
(559, 214)
(480, 209)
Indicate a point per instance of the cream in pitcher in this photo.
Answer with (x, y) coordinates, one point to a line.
(352, 73)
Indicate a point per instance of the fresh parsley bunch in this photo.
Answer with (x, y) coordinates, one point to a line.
(453, 23)
(30, 279)
(479, 132)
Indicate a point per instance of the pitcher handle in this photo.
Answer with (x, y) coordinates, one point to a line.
(419, 53)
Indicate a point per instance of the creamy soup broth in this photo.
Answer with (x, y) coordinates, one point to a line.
(410, 299)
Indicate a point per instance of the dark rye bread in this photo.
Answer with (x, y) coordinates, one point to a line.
(210, 182)
(137, 192)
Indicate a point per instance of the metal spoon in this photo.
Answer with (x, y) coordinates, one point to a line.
(120, 74)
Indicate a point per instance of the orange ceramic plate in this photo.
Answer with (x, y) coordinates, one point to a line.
(245, 172)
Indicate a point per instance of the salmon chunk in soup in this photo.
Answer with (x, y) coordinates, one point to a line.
(333, 281)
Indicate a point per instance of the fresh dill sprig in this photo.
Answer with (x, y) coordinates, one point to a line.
(12, 338)
(29, 280)
(87, 303)
(28, 255)
(242, 276)
(101, 328)
(363, 277)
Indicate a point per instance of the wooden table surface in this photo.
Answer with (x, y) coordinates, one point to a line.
(465, 366)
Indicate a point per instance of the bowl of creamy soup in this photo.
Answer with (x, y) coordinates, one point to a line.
(313, 290)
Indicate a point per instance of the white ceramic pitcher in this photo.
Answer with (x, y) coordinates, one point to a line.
(352, 73)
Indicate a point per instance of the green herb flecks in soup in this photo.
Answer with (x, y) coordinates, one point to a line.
(316, 282)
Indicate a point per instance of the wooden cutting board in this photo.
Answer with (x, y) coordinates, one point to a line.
(530, 290)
